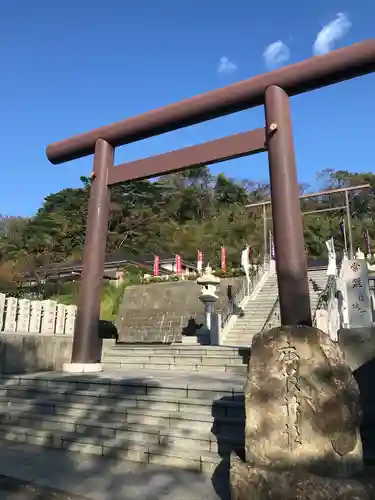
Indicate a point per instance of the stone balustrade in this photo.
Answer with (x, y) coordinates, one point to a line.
(36, 316)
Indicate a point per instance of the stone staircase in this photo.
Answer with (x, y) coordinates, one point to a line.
(257, 310)
(184, 417)
(176, 406)
(177, 358)
(179, 419)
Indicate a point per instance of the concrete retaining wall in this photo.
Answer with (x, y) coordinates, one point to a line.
(163, 312)
(33, 353)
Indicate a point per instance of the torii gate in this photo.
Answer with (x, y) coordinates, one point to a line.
(271, 90)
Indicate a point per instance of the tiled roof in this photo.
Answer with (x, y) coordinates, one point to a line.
(145, 261)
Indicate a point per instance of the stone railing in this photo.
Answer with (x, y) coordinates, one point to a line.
(36, 316)
(347, 301)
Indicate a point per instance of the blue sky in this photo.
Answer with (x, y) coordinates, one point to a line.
(70, 66)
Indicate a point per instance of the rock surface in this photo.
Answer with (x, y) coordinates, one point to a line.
(302, 405)
(257, 483)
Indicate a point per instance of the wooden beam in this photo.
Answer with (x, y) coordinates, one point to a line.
(227, 148)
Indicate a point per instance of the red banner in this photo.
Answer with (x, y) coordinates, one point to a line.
(156, 265)
(250, 253)
(367, 242)
(199, 261)
(178, 264)
(223, 260)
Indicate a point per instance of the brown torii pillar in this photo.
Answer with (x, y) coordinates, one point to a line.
(272, 89)
(287, 219)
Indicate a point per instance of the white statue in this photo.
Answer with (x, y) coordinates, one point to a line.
(359, 254)
(245, 264)
(332, 267)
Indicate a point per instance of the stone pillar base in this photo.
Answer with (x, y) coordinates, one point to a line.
(82, 367)
(190, 340)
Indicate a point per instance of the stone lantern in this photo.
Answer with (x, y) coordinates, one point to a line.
(208, 295)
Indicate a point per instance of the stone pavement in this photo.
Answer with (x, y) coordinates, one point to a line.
(100, 478)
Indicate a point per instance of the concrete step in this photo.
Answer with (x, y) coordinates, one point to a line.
(256, 321)
(182, 359)
(174, 423)
(239, 342)
(174, 350)
(228, 408)
(123, 387)
(248, 335)
(242, 341)
(257, 309)
(137, 451)
(253, 321)
(171, 358)
(121, 434)
(247, 328)
(147, 416)
(245, 331)
(254, 316)
(228, 368)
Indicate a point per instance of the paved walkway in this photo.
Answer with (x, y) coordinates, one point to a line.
(98, 478)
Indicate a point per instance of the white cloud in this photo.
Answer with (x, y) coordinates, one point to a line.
(276, 53)
(226, 66)
(331, 33)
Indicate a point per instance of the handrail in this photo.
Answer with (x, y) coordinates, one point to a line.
(271, 313)
(241, 292)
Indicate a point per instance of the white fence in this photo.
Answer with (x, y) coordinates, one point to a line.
(36, 316)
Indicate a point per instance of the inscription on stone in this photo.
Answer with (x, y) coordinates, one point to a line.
(289, 359)
(357, 293)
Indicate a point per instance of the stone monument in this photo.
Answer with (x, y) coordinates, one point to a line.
(36, 316)
(302, 420)
(60, 319)
(11, 314)
(354, 286)
(48, 316)
(70, 319)
(23, 320)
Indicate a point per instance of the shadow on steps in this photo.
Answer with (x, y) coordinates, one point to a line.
(365, 376)
(230, 434)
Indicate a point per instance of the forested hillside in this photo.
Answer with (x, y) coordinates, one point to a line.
(177, 213)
